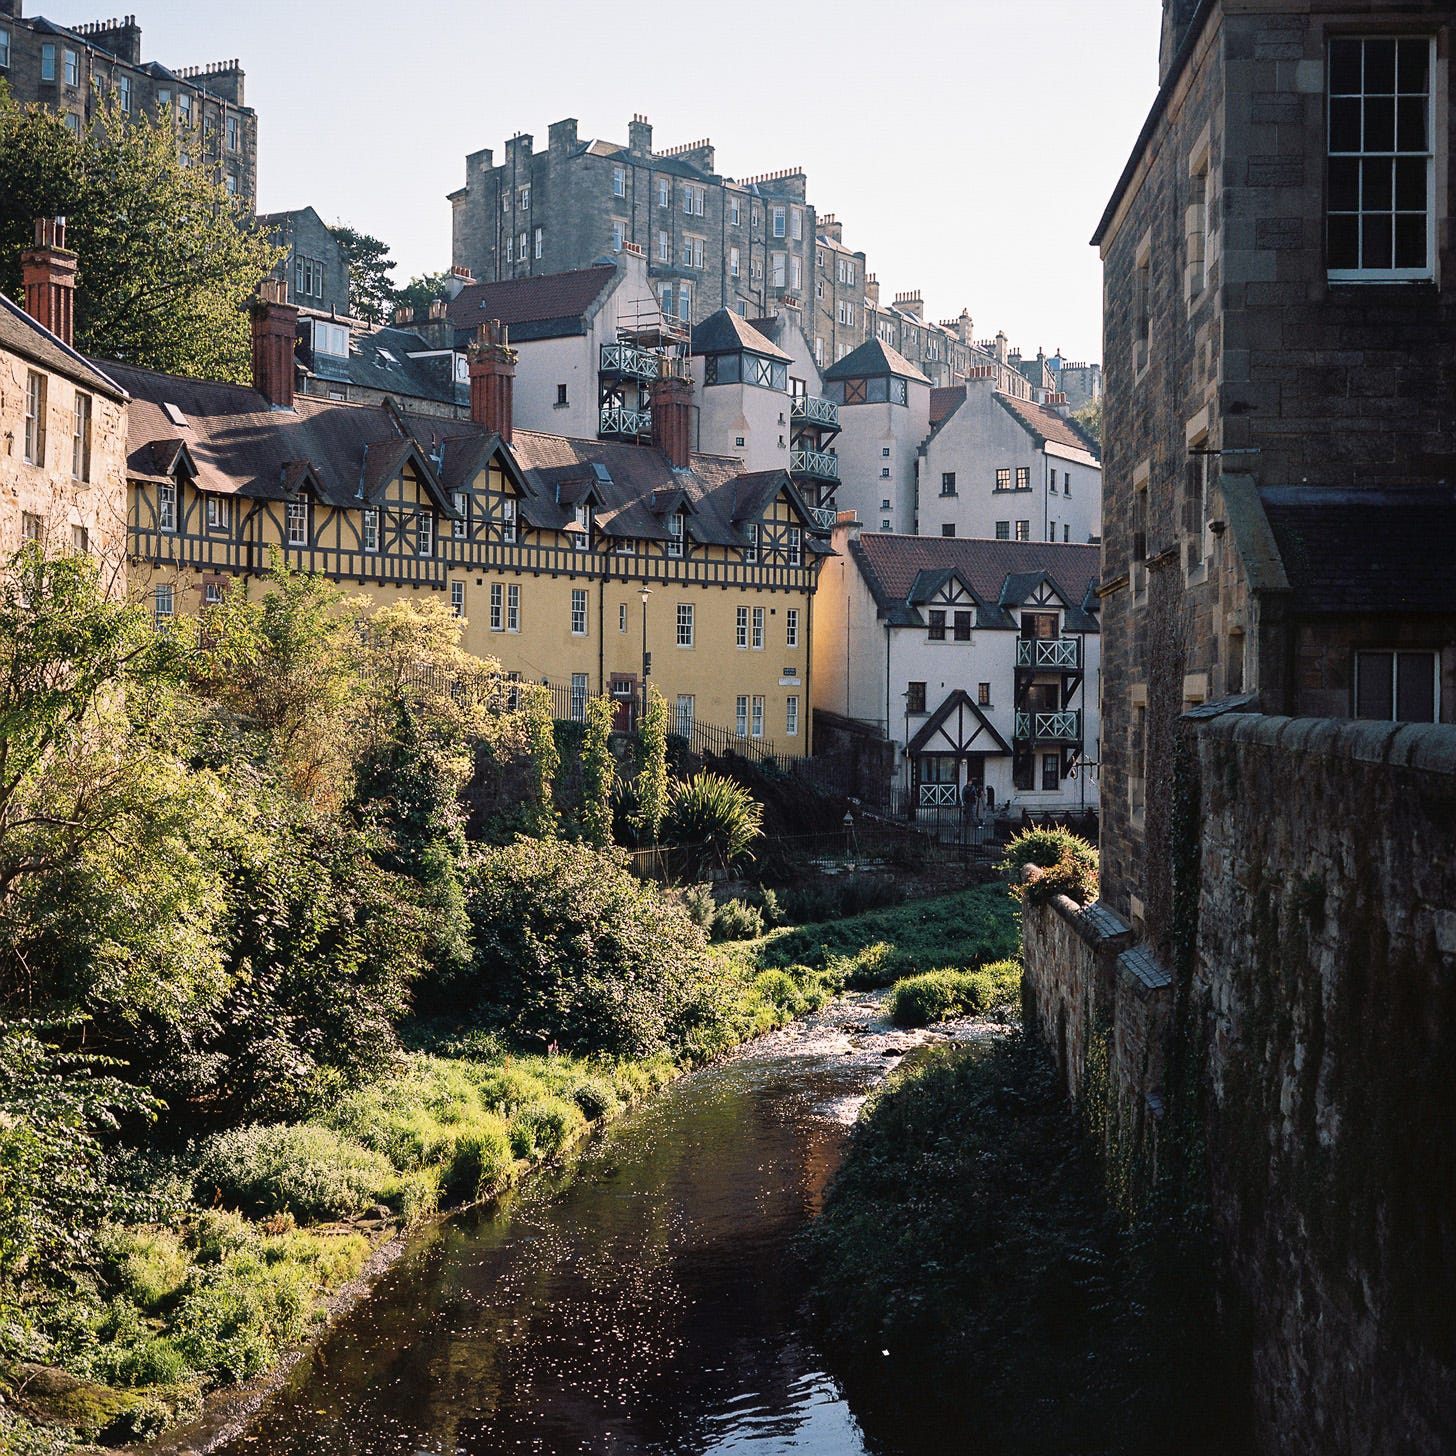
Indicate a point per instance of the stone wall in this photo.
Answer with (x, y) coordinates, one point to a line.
(1310, 1020)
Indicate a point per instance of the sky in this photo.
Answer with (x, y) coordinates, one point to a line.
(968, 148)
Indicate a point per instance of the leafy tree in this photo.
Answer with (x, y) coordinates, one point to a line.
(545, 762)
(597, 773)
(651, 782)
(1090, 419)
(421, 291)
(165, 264)
(371, 269)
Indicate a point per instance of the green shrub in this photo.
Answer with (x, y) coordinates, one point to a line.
(571, 949)
(482, 1164)
(596, 1097)
(711, 818)
(545, 1126)
(1068, 863)
(148, 1266)
(310, 1172)
(941, 995)
(737, 920)
(698, 901)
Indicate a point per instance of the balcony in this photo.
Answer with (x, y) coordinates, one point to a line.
(1063, 726)
(823, 517)
(620, 423)
(627, 361)
(816, 464)
(1049, 654)
(809, 409)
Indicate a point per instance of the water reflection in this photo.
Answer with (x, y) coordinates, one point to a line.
(643, 1301)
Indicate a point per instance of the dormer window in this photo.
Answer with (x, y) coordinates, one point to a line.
(675, 534)
(331, 339)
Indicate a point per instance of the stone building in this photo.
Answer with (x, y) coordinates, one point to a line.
(575, 562)
(316, 266)
(1281, 399)
(977, 660)
(63, 423)
(71, 69)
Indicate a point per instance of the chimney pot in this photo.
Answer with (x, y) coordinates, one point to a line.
(49, 273)
(493, 379)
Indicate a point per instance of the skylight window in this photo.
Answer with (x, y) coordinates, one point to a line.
(388, 357)
(174, 414)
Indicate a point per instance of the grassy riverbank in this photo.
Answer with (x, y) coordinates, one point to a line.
(967, 1238)
(257, 1225)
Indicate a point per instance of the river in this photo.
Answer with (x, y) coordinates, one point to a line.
(645, 1298)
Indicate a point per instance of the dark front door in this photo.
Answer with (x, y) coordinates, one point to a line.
(623, 688)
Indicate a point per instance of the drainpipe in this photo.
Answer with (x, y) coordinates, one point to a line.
(808, 713)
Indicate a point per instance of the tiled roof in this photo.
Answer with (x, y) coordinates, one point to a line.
(872, 358)
(1046, 424)
(725, 332)
(1375, 549)
(546, 307)
(895, 566)
(945, 402)
(21, 334)
(399, 374)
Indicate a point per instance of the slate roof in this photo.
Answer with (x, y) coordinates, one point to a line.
(902, 571)
(400, 375)
(945, 402)
(21, 334)
(1373, 549)
(1046, 424)
(547, 307)
(725, 332)
(874, 357)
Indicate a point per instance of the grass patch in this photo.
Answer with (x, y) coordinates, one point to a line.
(968, 1230)
(941, 995)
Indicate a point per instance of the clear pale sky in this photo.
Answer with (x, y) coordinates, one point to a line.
(968, 147)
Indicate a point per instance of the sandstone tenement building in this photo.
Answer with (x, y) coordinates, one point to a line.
(71, 69)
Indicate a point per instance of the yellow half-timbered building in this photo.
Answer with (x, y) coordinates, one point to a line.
(573, 562)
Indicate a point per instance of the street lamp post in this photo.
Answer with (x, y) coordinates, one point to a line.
(646, 655)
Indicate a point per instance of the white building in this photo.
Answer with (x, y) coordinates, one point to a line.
(978, 659)
(994, 465)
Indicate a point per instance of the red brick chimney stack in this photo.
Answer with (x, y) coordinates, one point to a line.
(275, 328)
(493, 379)
(672, 412)
(49, 272)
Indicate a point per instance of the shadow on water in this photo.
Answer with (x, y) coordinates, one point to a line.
(645, 1298)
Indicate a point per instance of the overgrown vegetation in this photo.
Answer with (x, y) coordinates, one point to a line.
(968, 1230)
(1068, 866)
(942, 995)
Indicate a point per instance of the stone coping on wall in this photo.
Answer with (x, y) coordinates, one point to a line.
(1145, 970)
(1429, 747)
(1096, 924)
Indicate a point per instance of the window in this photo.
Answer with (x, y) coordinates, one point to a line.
(983, 694)
(167, 507)
(510, 248)
(540, 242)
(36, 388)
(513, 608)
(578, 612)
(1196, 225)
(48, 62)
(675, 534)
(1195, 501)
(1381, 159)
(72, 63)
(687, 252)
(937, 626)
(30, 526)
(780, 220)
(1003, 479)
(1023, 530)
(791, 627)
(1003, 530)
(184, 106)
(619, 181)
(684, 624)
(884, 525)
(664, 192)
(371, 529)
(758, 629)
(80, 540)
(1142, 308)
(794, 545)
(218, 512)
(750, 552)
(948, 528)
(561, 400)
(622, 617)
(796, 217)
(1066, 482)
(73, 125)
(457, 598)
(735, 216)
(777, 264)
(683, 716)
(684, 302)
(298, 523)
(1066, 533)
(460, 522)
(424, 534)
(791, 716)
(664, 246)
(619, 233)
(884, 472)
(523, 248)
(164, 603)
(740, 716)
(123, 93)
(578, 697)
(1399, 686)
(582, 537)
(4, 46)
(740, 628)
(756, 728)
(947, 482)
(1023, 477)
(962, 626)
(234, 133)
(523, 200)
(915, 697)
(664, 297)
(1051, 771)
(81, 438)
(507, 519)
(497, 610)
(734, 263)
